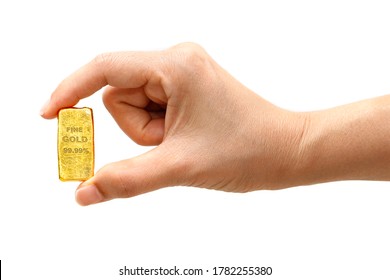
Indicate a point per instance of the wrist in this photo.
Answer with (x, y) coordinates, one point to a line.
(349, 142)
(298, 129)
(281, 145)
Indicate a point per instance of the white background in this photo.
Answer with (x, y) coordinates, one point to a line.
(300, 55)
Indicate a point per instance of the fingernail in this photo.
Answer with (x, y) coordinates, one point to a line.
(43, 109)
(88, 195)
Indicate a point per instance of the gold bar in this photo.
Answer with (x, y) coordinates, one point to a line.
(75, 144)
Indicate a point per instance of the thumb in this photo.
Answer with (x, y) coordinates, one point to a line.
(148, 172)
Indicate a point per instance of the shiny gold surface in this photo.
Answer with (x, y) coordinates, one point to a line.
(75, 144)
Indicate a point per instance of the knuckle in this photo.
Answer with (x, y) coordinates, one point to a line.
(192, 57)
(120, 183)
(189, 48)
(108, 98)
(142, 138)
(103, 59)
(126, 184)
(194, 54)
(139, 137)
(187, 66)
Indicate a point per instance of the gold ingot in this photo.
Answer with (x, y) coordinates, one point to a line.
(75, 144)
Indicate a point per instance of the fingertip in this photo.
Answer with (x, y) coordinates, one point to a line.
(48, 110)
(42, 112)
(87, 195)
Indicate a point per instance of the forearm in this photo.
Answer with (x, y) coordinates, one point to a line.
(350, 142)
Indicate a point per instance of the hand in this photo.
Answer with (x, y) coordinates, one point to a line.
(210, 130)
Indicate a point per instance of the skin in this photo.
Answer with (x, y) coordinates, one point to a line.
(211, 131)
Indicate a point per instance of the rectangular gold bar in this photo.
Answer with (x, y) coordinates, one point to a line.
(75, 144)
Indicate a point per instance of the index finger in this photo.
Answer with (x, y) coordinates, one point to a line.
(120, 69)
